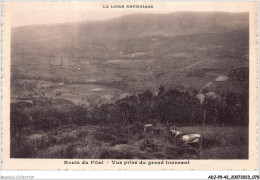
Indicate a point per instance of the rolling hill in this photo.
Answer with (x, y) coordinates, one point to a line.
(134, 52)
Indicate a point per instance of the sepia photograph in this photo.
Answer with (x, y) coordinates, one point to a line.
(130, 81)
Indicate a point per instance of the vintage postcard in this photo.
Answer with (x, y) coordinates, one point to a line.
(129, 86)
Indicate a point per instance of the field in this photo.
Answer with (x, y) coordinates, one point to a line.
(90, 95)
(113, 142)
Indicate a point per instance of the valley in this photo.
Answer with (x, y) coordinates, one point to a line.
(90, 87)
(181, 57)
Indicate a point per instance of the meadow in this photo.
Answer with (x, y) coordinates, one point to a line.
(222, 142)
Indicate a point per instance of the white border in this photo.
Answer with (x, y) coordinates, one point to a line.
(125, 174)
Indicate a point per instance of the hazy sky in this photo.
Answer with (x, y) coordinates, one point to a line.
(27, 13)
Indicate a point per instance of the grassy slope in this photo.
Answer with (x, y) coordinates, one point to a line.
(111, 143)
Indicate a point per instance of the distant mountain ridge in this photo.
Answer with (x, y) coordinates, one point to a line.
(48, 40)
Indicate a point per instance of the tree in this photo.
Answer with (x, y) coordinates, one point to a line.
(79, 115)
(18, 120)
(161, 90)
(209, 106)
(145, 96)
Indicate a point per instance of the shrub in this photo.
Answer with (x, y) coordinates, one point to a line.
(142, 147)
(24, 104)
(27, 131)
(18, 120)
(159, 155)
(56, 151)
(82, 152)
(225, 153)
(144, 156)
(140, 136)
(82, 133)
(65, 138)
(79, 115)
(209, 142)
(21, 150)
(238, 140)
(58, 93)
(149, 143)
(119, 141)
(70, 150)
(104, 136)
(117, 131)
(137, 128)
(189, 150)
(173, 151)
(114, 154)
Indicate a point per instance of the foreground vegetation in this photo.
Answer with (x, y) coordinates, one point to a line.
(116, 130)
(113, 142)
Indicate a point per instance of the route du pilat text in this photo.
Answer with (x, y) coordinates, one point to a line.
(127, 162)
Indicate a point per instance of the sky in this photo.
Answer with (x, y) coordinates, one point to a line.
(28, 13)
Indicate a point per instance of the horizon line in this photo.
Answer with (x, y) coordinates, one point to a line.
(124, 15)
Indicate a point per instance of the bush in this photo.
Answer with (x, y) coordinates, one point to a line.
(28, 131)
(173, 151)
(65, 138)
(79, 116)
(70, 150)
(117, 131)
(104, 137)
(238, 140)
(119, 141)
(225, 152)
(18, 120)
(159, 155)
(210, 142)
(82, 133)
(114, 154)
(58, 93)
(21, 150)
(189, 150)
(24, 104)
(140, 136)
(137, 128)
(56, 151)
(144, 156)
